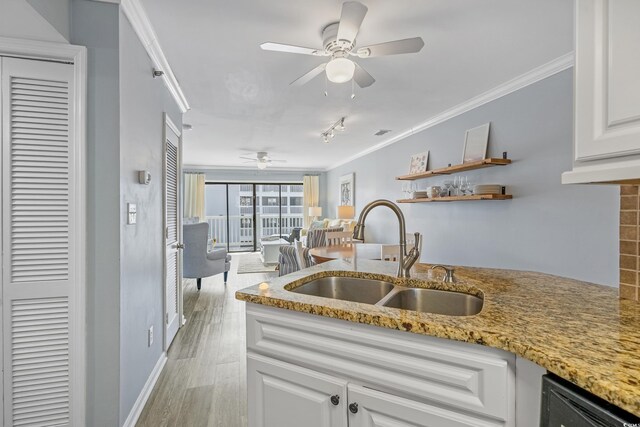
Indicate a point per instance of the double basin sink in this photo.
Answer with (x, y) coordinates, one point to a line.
(386, 294)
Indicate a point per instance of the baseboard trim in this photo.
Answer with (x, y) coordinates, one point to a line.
(132, 419)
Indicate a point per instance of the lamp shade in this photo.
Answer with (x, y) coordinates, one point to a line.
(315, 211)
(346, 212)
(340, 70)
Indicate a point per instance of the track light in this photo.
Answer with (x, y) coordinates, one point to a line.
(331, 132)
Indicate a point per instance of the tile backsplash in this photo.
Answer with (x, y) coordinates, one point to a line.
(629, 242)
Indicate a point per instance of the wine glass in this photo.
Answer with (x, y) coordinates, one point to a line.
(405, 189)
(456, 186)
(464, 185)
(448, 185)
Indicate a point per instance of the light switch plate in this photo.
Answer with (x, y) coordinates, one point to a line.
(132, 211)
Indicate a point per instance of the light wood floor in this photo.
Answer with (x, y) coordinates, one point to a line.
(203, 382)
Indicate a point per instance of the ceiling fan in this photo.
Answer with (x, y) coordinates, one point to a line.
(339, 41)
(262, 159)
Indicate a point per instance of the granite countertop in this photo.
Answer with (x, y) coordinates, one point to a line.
(580, 331)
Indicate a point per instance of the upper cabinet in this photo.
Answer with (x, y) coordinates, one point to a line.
(607, 92)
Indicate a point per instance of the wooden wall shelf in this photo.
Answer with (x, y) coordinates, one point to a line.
(459, 198)
(485, 163)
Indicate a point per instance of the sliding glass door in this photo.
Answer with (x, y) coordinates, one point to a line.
(240, 214)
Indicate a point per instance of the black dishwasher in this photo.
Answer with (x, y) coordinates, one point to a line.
(566, 405)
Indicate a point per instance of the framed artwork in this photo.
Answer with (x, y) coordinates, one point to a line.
(475, 143)
(346, 196)
(419, 162)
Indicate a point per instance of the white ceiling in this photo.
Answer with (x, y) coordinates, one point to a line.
(240, 95)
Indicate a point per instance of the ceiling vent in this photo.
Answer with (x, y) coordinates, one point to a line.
(382, 132)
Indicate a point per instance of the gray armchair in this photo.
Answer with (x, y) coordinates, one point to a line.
(197, 262)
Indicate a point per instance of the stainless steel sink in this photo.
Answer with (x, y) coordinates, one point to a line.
(347, 288)
(435, 301)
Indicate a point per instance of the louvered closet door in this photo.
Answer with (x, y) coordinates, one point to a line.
(172, 232)
(38, 227)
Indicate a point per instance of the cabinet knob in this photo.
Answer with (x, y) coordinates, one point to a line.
(353, 408)
(335, 399)
(179, 245)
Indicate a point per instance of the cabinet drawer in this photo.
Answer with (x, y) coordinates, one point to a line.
(462, 375)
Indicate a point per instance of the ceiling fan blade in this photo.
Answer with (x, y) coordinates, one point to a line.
(278, 161)
(289, 48)
(248, 158)
(396, 47)
(309, 76)
(248, 161)
(362, 77)
(353, 14)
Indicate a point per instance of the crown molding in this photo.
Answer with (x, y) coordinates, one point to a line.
(196, 168)
(562, 63)
(136, 14)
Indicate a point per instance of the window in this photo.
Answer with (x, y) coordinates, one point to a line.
(238, 221)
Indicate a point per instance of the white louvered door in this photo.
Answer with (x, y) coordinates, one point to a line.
(39, 226)
(173, 271)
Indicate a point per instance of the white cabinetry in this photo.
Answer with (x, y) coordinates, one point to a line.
(607, 92)
(284, 395)
(297, 362)
(372, 408)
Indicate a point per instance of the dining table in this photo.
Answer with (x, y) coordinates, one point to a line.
(346, 251)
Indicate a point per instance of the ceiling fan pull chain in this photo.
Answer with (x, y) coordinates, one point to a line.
(326, 85)
(353, 88)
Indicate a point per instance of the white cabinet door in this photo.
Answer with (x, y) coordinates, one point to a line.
(607, 91)
(284, 395)
(371, 408)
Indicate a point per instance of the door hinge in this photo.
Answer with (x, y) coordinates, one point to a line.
(166, 318)
(166, 232)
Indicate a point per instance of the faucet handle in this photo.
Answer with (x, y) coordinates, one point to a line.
(448, 273)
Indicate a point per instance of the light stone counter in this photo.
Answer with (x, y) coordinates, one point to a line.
(577, 330)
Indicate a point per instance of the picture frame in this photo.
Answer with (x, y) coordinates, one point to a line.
(346, 190)
(475, 143)
(419, 163)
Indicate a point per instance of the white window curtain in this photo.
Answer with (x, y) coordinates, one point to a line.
(311, 196)
(194, 196)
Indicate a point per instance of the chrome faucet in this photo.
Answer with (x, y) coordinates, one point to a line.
(406, 259)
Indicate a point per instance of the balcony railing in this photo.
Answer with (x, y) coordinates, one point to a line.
(240, 235)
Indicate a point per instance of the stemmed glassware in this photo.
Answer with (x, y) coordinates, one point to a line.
(465, 186)
(448, 185)
(406, 188)
(456, 186)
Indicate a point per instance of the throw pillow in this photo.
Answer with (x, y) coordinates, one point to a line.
(334, 223)
(316, 225)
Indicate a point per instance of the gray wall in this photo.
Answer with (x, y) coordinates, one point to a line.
(46, 20)
(96, 27)
(566, 230)
(56, 12)
(143, 100)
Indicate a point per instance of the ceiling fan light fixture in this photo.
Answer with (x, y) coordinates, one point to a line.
(340, 70)
(262, 165)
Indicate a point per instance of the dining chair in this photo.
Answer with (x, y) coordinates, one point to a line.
(389, 252)
(338, 238)
(392, 252)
